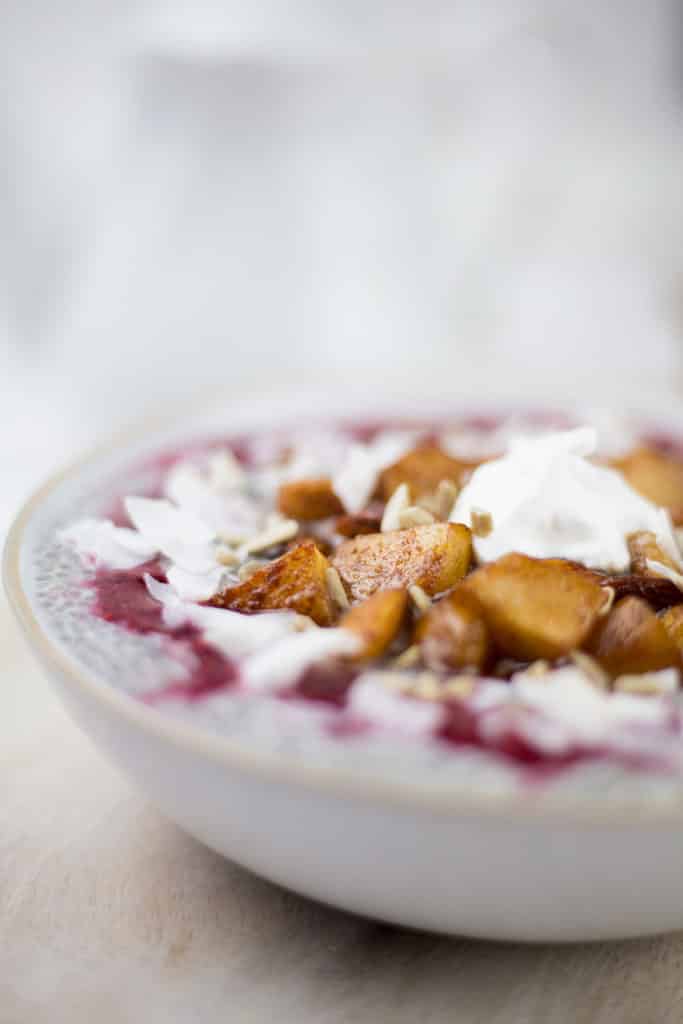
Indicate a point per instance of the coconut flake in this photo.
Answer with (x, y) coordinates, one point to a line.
(176, 532)
(355, 481)
(114, 546)
(188, 484)
(233, 633)
(196, 586)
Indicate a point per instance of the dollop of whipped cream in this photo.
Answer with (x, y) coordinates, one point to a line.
(547, 499)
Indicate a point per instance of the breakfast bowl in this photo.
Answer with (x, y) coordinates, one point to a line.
(320, 734)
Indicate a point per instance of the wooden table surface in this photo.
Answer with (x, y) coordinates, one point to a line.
(108, 913)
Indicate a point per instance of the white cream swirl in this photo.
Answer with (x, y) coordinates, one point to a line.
(547, 499)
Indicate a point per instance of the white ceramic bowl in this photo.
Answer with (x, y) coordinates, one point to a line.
(566, 864)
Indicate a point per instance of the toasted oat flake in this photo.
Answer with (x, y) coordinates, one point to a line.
(336, 589)
(414, 516)
(420, 599)
(482, 522)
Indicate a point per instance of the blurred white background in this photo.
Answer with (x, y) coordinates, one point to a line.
(429, 196)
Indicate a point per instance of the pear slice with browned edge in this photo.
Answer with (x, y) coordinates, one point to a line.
(423, 469)
(309, 499)
(296, 581)
(434, 557)
(377, 621)
(537, 607)
(656, 475)
(633, 639)
(453, 634)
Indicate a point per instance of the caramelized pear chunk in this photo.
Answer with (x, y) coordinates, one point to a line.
(453, 634)
(422, 469)
(633, 639)
(296, 581)
(643, 548)
(377, 621)
(309, 499)
(656, 476)
(537, 607)
(433, 556)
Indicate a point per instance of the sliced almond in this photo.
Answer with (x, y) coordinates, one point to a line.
(397, 503)
(591, 669)
(408, 658)
(277, 531)
(445, 494)
(336, 589)
(610, 594)
(420, 599)
(226, 556)
(648, 684)
(659, 569)
(538, 668)
(414, 516)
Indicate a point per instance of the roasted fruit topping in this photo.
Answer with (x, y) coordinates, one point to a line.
(433, 556)
(309, 499)
(377, 621)
(296, 581)
(643, 548)
(656, 476)
(453, 634)
(633, 639)
(537, 608)
(422, 470)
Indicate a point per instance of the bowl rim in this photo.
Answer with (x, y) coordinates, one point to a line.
(515, 807)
